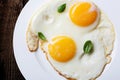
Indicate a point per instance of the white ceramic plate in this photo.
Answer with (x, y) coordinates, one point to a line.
(34, 66)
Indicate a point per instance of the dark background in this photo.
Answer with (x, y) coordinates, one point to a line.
(9, 11)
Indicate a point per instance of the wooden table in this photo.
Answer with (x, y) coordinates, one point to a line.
(9, 11)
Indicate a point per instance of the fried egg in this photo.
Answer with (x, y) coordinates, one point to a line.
(66, 34)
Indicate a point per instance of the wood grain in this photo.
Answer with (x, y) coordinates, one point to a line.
(9, 11)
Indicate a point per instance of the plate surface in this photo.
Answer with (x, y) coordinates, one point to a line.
(34, 66)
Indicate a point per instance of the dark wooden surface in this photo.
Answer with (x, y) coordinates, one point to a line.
(9, 11)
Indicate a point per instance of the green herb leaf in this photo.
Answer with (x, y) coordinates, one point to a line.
(61, 8)
(41, 36)
(88, 47)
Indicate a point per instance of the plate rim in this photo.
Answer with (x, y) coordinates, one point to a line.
(16, 59)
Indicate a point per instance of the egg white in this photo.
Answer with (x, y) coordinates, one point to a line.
(51, 23)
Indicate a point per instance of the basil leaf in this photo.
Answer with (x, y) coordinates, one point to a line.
(41, 36)
(88, 47)
(61, 8)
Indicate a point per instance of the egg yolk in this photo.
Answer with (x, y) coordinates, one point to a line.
(83, 14)
(62, 48)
